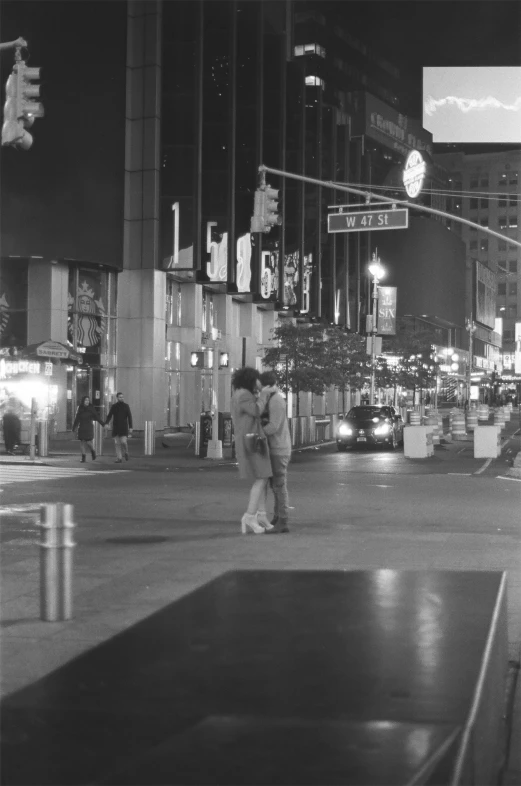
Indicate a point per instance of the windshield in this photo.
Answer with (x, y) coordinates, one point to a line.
(364, 412)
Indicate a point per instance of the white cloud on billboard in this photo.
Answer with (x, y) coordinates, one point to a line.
(472, 104)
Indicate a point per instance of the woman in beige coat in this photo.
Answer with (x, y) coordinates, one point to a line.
(246, 410)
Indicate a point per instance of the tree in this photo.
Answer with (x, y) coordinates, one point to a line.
(412, 365)
(312, 357)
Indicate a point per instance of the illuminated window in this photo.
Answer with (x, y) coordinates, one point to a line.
(315, 81)
(512, 222)
(309, 49)
(483, 245)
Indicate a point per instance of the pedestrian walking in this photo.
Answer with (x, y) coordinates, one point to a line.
(12, 428)
(250, 448)
(275, 426)
(121, 417)
(84, 422)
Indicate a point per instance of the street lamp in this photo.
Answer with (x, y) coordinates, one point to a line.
(377, 272)
(471, 327)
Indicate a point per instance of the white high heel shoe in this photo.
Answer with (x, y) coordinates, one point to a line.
(249, 522)
(263, 520)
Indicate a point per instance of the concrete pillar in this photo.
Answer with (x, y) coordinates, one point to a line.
(47, 301)
(141, 286)
(141, 372)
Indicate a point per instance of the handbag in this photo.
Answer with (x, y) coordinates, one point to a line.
(265, 414)
(255, 441)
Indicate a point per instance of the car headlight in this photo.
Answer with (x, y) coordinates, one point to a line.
(385, 428)
(344, 430)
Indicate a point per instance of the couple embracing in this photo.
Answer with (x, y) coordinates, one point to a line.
(263, 448)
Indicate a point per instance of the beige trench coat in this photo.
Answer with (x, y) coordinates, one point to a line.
(245, 415)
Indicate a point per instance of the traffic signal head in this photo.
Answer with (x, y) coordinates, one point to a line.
(257, 221)
(20, 110)
(271, 204)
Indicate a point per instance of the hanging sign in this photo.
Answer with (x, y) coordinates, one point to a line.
(414, 173)
(386, 311)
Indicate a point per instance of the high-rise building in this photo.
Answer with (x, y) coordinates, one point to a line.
(126, 227)
(486, 190)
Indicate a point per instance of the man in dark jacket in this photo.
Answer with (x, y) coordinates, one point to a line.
(121, 426)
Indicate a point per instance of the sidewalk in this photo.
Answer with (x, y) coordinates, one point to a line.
(174, 451)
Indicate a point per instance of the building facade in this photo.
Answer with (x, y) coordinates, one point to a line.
(133, 245)
(487, 191)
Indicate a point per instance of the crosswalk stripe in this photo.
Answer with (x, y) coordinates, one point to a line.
(28, 474)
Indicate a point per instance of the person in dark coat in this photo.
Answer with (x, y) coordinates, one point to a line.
(84, 422)
(12, 428)
(121, 417)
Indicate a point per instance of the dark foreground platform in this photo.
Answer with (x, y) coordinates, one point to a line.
(267, 677)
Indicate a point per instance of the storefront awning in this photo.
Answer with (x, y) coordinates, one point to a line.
(51, 350)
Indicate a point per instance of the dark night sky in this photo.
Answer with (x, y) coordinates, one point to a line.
(438, 32)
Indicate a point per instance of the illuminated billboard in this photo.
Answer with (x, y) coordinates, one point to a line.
(472, 104)
(486, 289)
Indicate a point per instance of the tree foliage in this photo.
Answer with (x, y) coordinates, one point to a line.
(312, 357)
(413, 365)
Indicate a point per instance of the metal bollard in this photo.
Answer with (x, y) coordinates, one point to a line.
(43, 438)
(150, 437)
(197, 434)
(99, 434)
(56, 546)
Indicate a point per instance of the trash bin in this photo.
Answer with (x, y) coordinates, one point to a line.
(43, 438)
(205, 434)
(150, 437)
(225, 429)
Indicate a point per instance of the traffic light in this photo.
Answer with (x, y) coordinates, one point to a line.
(271, 204)
(20, 110)
(257, 221)
(265, 208)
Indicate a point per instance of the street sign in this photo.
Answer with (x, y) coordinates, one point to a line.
(368, 220)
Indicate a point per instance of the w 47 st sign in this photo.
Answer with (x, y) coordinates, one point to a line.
(368, 220)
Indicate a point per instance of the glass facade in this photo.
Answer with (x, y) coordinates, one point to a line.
(92, 332)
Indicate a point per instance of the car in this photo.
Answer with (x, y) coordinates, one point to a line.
(368, 426)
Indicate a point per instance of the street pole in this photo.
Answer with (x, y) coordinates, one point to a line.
(471, 328)
(215, 445)
(377, 271)
(373, 337)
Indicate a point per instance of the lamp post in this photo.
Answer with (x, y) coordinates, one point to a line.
(471, 328)
(377, 272)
